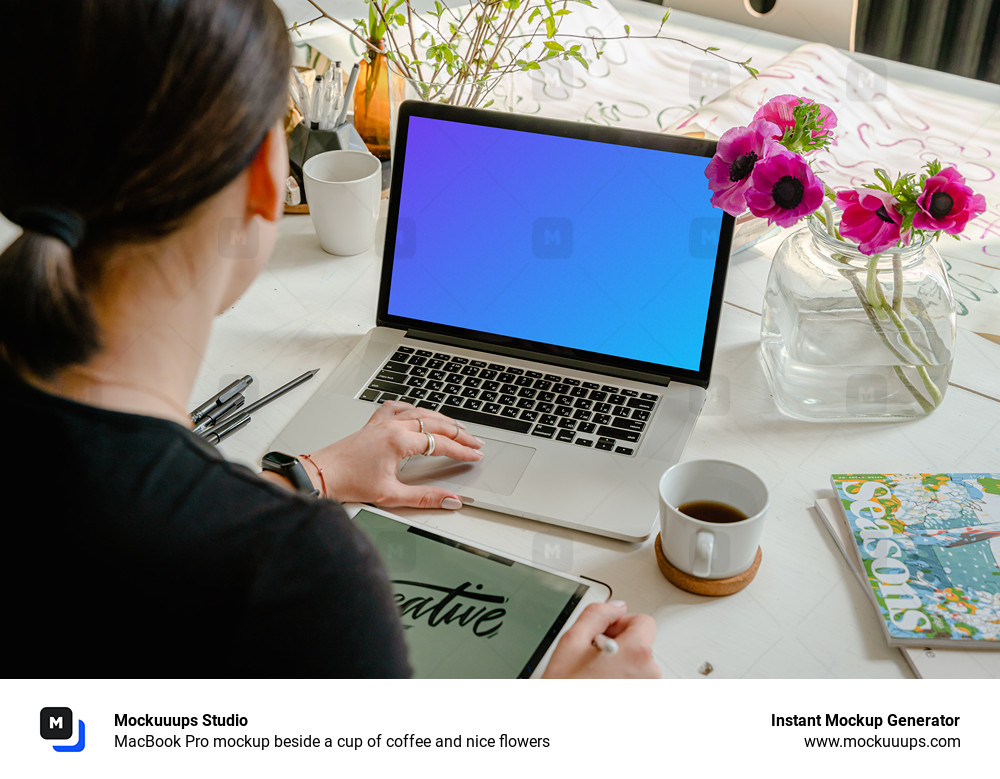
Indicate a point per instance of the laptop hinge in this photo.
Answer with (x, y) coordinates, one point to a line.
(528, 354)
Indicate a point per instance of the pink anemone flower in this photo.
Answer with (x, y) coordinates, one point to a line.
(947, 203)
(738, 151)
(779, 111)
(783, 189)
(870, 219)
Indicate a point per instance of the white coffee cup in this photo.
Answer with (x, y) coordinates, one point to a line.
(343, 189)
(711, 550)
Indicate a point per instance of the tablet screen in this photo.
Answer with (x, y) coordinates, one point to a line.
(468, 613)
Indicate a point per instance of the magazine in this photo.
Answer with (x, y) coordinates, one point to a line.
(926, 663)
(929, 546)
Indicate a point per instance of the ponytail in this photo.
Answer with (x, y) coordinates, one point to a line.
(46, 321)
(205, 80)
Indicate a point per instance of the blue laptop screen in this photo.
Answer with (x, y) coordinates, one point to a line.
(594, 246)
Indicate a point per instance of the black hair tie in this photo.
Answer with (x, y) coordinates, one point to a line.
(62, 223)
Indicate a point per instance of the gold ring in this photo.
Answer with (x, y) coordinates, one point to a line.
(430, 445)
(458, 431)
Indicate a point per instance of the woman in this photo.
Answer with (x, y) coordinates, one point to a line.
(153, 126)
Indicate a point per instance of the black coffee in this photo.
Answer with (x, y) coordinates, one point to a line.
(712, 511)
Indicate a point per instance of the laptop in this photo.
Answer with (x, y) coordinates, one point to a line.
(556, 286)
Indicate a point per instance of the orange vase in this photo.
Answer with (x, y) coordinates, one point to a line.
(371, 103)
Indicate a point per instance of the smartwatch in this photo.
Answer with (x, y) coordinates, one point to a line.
(288, 466)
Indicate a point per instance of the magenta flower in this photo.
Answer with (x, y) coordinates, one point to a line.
(870, 219)
(778, 110)
(738, 151)
(947, 203)
(783, 189)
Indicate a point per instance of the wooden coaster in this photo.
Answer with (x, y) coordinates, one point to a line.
(713, 587)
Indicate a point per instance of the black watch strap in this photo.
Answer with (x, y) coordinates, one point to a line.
(292, 469)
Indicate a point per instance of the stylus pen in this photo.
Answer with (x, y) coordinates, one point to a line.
(272, 396)
(221, 397)
(348, 92)
(219, 432)
(605, 644)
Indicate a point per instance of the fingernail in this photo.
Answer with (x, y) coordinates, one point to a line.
(451, 503)
(618, 604)
(479, 452)
(481, 441)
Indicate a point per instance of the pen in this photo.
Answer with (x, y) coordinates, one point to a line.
(316, 108)
(219, 412)
(272, 396)
(605, 644)
(221, 397)
(348, 91)
(302, 91)
(219, 432)
(335, 92)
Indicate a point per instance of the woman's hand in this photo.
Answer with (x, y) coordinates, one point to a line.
(576, 657)
(362, 467)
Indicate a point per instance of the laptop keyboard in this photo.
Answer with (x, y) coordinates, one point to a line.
(583, 413)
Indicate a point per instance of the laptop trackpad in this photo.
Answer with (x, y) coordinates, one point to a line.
(498, 472)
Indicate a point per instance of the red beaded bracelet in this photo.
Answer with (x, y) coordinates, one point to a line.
(322, 481)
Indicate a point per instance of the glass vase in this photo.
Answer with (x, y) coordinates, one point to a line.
(372, 103)
(845, 336)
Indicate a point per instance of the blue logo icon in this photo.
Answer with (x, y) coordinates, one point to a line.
(56, 724)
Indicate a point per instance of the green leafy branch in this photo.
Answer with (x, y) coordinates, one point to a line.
(459, 56)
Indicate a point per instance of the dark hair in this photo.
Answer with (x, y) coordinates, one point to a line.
(131, 114)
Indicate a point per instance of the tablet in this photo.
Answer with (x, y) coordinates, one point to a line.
(472, 612)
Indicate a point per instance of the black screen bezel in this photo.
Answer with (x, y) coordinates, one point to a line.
(534, 350)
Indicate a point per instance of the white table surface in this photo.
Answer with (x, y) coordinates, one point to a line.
(804, 616)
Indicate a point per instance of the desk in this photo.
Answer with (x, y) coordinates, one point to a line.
(804, 616)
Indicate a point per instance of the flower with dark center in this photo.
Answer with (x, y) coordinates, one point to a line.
(947, 203)
(742, 166)
(941, 205)
(739, 151)
(870, 219)
(783, 189)
(787, 192)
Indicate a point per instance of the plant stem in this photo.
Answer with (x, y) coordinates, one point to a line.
(925, 404)
(830, 229)
(875, 311)
(897, 284)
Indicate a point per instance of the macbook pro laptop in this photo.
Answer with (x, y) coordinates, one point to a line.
(556, 286)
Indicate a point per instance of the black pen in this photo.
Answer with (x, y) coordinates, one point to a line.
(219, 432)
(221, 397)
(271, 396)
(221, 411)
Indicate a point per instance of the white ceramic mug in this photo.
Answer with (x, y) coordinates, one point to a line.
(343, 189)
(711, 550)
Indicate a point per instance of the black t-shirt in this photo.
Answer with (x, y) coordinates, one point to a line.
(132, 549)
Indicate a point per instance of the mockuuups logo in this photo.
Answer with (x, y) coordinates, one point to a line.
(56, 724)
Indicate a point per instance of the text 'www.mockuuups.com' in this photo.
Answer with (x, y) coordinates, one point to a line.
(867, 734)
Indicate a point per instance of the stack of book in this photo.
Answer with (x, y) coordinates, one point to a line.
(926, 548)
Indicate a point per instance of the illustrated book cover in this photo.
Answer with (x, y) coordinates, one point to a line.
(929, 549)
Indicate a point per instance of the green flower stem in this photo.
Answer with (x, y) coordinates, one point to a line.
(871, 313)
(897, 284)
(882, 308)
(829, 220)
(925, 404)
(873, 290)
